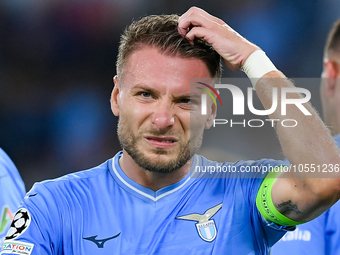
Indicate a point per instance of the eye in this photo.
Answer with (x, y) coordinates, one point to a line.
(145, 94)
(185, 101)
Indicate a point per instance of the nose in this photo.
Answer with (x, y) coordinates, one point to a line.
(163, 116)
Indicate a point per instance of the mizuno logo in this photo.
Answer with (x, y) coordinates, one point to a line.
(100, 242)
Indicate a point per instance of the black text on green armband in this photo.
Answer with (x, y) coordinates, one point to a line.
(265, 204)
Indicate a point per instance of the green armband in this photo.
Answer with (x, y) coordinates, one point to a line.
(265, 204)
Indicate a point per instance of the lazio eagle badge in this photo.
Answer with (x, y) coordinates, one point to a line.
(205, 227)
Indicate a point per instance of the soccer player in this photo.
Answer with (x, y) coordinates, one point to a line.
(322, 235)
(144, 200)
(12, 190)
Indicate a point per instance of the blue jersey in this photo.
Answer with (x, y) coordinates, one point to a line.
(102, 211)
(12, 190)
(320, 236)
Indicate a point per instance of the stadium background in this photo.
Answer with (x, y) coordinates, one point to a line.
(57, 60)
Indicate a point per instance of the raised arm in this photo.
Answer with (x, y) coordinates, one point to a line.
(296, 195)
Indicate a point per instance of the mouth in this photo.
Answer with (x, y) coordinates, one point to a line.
(161, 141)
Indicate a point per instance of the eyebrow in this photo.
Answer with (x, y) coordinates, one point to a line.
(153, 91)
(145, 88)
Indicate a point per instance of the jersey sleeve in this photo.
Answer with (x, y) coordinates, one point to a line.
(251, 183)
(34, 229)
(12, 191)
(7, 167)
(264, 201)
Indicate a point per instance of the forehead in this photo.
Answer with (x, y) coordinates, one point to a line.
(150, 66)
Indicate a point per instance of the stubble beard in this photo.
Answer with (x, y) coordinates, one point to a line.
(130, 142)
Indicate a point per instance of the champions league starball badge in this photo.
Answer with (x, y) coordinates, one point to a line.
(21, 221)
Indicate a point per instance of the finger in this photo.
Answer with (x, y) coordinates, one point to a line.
(194, 10)
(197, 20)
(185, 24)
(198, 32)
(189, 12)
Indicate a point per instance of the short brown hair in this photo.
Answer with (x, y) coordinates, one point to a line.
(161, 31)
(333, 39)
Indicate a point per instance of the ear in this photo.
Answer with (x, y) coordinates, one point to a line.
(114, 97)
(211, 117)
(331, 69)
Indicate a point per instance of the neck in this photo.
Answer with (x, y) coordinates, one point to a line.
(151, 180)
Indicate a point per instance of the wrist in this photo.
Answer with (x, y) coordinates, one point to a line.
(257, 65)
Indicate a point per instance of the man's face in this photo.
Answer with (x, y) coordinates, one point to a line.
(330, 93)
(152, 100)
(323, 97)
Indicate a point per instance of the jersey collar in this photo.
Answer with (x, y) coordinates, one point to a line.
(140, 191)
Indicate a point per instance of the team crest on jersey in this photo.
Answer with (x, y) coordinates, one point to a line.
(205, 227)
(20, 223)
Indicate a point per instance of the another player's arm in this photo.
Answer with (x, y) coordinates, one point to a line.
(296, 196)
(39, 232)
